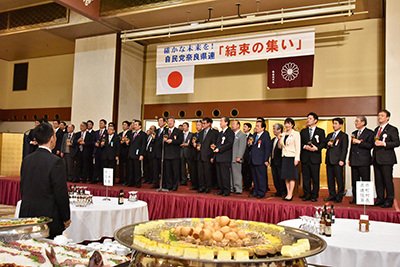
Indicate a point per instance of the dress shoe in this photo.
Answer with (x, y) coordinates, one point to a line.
(183, 183)
(303, 196)
(306, 198)
(154, 186)
(352, 202)
(201, 190)
(314, 200)
(207, 191)
(226, 195)
(338, 200)
(194, 188)
(260, 197)
(276, 194)
(218, 193)
(174, 189)
(288, 199)
(378, 203)
(330, 198)
(138, 186)
(253, 195)
(386, 205)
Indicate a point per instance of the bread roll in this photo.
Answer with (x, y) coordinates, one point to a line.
(225, 230)
(178, 230)
(217, 236)
(205, 234)
(187, 230)
(224, 221)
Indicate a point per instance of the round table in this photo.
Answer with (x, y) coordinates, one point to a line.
(349, 247)
(103, 218)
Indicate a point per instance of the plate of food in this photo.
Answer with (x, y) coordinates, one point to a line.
(219, 240)
(7, 224)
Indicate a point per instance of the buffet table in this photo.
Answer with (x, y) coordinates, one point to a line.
(103, 218)
(349, 247)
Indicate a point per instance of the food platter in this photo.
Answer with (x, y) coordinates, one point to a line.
(125, 236)
(24, 231)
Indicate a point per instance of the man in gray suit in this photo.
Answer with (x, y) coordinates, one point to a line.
(68, 152)
(239, 146)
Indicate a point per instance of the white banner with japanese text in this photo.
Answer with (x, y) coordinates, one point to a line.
(245, 48)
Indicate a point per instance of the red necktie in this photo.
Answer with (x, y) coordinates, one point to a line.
(134, 136)
(169, 134)
(380, 131)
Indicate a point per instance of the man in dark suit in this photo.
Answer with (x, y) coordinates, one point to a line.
(123, 155)
(335, 160)
(63, 127)
(100, 136)
(360, 154)
(194, 175)
(148, 157)
(43, 183)
(383, 159)
(30, 144)
(260, 152)
(110, 149)
(206, 137)
(137, 149)
(187, 154)
(223, 157)
(83, 144)
(59, 136)
(157, 146)
(172, 154)
(68, 153)
(246, 172)
(276, 163)
(263, 120)
(312, 143)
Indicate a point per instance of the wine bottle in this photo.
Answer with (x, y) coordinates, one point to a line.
(328, 226)
(332, 214)
(121, 197)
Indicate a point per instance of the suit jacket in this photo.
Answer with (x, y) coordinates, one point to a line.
(386, 155)
(31, 137)
(360, 154)
(189, 151)
(318, 140)
(239, 146)
(206, 153)
(260, 151)
(224, 144)
(149, 147)
(44, 189)
(123, 148)
(64, 144)
(110, 150)
(196, 153)
(338, 151)
(157, 143)
(98, 138)
(277, 152)
(87, 147)
(137, 145)
(246, 155)
(59, 135)
(172, 151)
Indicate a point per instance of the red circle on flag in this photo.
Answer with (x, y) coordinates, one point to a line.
(175, 79)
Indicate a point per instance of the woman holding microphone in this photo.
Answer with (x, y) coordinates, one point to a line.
(289, 142)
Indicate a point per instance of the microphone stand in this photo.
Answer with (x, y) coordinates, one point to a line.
(162, 169)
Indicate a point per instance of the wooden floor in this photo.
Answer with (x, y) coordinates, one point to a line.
(7, 211)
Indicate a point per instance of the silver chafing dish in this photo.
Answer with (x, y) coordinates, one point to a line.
(145, 258)
(24, 231)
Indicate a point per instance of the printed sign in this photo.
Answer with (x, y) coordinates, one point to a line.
(365, 193)
(108, 176)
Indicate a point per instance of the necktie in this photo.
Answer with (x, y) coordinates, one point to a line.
(169, 132)
(273, 148)
(310, 133)
(358, 134)
(159, 131)
(380, 131)
(134, 136)
(204, 135)
(256, 139)
(334, 136)
(69, 136)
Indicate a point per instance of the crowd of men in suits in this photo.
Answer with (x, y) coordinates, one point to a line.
(228, 160)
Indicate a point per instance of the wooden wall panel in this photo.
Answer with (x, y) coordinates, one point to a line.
(28, 114)
(324, 107)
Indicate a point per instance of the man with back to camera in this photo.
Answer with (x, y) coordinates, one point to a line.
(383, 159)
(337, 145)
(312, 143)
(43, 183)
(360, 154)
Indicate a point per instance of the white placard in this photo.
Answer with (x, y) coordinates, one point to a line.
(108, 176)
(244, 48)
(365, 193)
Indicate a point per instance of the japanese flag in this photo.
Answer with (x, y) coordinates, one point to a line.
(175, 80)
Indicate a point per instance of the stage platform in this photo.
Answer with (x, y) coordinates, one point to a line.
(186, 203)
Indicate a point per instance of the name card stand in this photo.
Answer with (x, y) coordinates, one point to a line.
(365, 196)
(108, 180)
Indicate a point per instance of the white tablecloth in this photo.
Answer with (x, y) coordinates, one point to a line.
(349, 247)
(102, 218)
